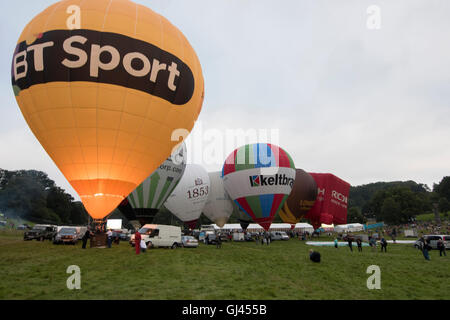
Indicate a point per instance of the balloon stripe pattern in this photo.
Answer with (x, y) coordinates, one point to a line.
(259, 177)
(153, 192)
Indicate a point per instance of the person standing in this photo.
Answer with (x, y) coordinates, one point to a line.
(137, 242)
(218, 242)
(394, 234)
(359, 243)
(383, 243)
(336, 243)
(441, 247)
(86, 236)
(350, 245)
(267, 238)
(143, 245)
(109, 234)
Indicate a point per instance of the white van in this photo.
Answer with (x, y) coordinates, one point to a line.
(158, 235)
(238, 236)
(433, 240)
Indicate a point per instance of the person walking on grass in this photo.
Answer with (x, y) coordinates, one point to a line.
(359, 243)
(373, 243)
(383, 243)
(424, 246)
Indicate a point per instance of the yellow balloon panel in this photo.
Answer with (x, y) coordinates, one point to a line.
(102, 85)
(287, 216)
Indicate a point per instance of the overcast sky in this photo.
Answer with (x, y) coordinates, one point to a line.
(365, 104)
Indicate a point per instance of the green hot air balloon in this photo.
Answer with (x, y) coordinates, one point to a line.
(146, 200)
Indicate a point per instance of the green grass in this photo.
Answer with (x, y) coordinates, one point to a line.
(37, 270)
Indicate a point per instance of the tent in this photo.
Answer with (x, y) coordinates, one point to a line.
(253, 227)
(351, 227)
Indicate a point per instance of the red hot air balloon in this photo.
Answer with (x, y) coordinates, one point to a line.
(331, 203)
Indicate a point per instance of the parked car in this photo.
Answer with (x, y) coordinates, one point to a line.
(210, 238)
(124, 236)
(189, 242)
(40, 232)
(278, 235)
(158, 235)
(24, 227)
(433, 240)
(67, 235)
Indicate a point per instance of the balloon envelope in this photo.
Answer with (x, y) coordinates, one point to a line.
(149, 196)
(331, 203)
(219, 206)
(301, 199)
(102, 85)
(190, 195)
(259, 177)
(244, 219)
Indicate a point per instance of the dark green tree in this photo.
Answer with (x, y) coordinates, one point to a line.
(354, 215)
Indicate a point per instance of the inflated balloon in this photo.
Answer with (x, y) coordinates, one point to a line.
(259, 177)
(149, 196)
(287, 216)
(332, 200)
(219, 206)
(190, 195)
(102, 85)
(301, 199)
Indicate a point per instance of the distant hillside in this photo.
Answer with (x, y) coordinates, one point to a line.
(360, 196)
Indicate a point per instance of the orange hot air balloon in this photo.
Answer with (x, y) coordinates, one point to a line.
(103, 84)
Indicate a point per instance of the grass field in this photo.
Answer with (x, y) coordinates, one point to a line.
(37, 270)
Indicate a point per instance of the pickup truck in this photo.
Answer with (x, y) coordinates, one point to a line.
(40, 232)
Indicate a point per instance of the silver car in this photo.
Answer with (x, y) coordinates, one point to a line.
(189, 242)
(433, 240)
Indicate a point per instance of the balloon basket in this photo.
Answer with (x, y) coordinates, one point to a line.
(99, 226)
(99, 240)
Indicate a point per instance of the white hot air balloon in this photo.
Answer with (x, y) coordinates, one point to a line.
(190, 195)
(219, 206)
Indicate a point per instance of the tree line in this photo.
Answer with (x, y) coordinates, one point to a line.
(31, 195)
(397, 202)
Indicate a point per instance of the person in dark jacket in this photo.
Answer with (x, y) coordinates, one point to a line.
(218, 242)
(383, 243)
(359, 243)
(350, 245)
(314, 256)
(87, 235)
(441, 247)
(424, 246)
